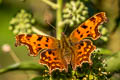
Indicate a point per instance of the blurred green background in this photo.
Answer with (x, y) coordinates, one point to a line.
(41, 11)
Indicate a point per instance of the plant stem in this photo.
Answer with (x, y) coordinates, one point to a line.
(14, 57)
(51, 4)
(59, 28)
(34, 29)
(17, 60)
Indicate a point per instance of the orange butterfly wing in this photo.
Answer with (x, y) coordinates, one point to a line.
(83, 47)
(53, 59)
(83, 51)
(36, 42)
(89, 28)
(50, 54)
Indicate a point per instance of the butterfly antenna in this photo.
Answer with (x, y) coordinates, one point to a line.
(65, 29)
(67, 26)
(50, 25)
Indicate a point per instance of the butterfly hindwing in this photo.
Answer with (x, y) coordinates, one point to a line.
(52, 58)
(89, 28)
(36, 42)
(82, 51)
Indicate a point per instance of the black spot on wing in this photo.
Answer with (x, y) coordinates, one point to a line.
(43, 54)
(38, 44)
(47, 39)
(81, 43)
(49, 51)
(39, 38)
(79, 52)
(39, 48)
(29, 36)
(81, 35)
(46, 45)
(55, 58)
(34, 42)
(90, 27)
(93, 19)
(87, 32)
(49, 58)
(84, 26)
(88, 35)
(78, 31)
(53, 54)
(79, 47)
(99, 15)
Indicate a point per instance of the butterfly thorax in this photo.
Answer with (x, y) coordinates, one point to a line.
(66, 49)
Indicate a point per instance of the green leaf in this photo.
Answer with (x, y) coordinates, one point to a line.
(113, 62)
(103, 51)
(24, 66)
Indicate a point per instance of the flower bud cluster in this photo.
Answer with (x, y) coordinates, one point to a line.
(22, 23)
(75, 12)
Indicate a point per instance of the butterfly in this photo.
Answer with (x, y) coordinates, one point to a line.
(74, 50)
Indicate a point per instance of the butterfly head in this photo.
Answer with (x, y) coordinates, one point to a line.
(64, 39)
(63, 36)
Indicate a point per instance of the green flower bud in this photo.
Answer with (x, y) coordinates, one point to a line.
(104, 38)
(90, 77)
(15, 31)
(22, 23)
(29, 31)
(104, 33)
(32, 21)
(10, 27)
(75, 11)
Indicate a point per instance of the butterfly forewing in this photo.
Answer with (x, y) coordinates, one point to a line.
(36, 42)
(89, 28)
